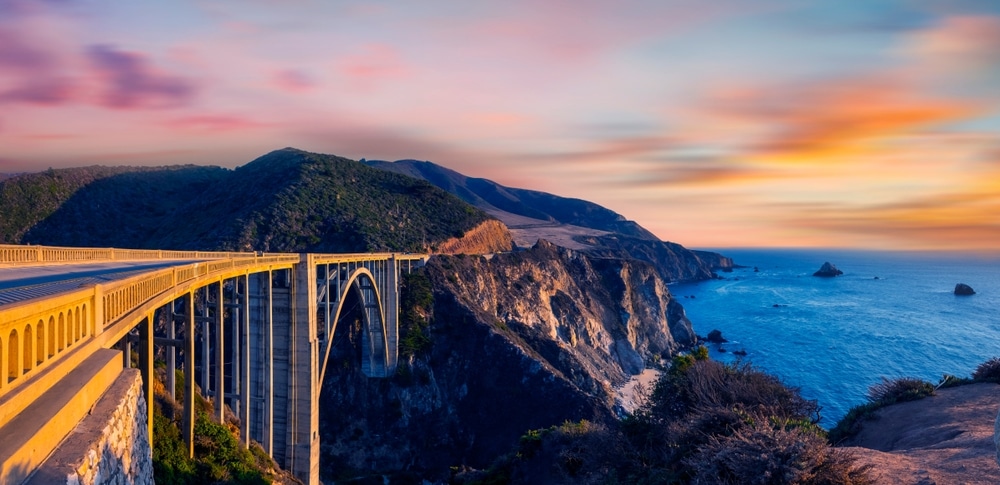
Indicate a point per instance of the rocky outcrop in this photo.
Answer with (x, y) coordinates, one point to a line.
(519, 341)
(828, 270)
(963, 289)
(674, 262)
(490, 236)
(945, 438)
(715, 337)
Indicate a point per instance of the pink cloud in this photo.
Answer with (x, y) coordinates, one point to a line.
(42, 91)
(374, 64)
(293, 81)
(213, 123)
(30, 74)
(132, 83)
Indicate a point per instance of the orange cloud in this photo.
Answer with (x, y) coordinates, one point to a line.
(836, 118)
(942, 221)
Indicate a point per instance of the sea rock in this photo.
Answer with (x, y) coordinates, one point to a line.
(715, 337)
(828, 270)
(963, 289)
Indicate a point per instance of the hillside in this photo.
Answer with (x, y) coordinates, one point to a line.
(534, 208)
(285, 201)
(575, 224)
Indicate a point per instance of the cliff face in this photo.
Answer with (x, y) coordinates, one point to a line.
(673, 261)
(518, 341)
(490, 236)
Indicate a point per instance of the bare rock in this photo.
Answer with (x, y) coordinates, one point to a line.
(963, 289)
(828, 270)
(942, 439)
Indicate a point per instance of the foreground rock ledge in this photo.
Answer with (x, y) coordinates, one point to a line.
(944, 439)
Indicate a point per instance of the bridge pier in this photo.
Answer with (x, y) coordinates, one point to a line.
(302, 457)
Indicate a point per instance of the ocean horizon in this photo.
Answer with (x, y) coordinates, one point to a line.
(890, 315)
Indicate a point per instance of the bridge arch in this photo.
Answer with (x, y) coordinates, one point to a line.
(374, 333)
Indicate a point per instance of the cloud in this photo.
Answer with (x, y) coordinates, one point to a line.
(15, 53)
(951, 220)
(132, 83)
(293, 81)
(372, 65)
(213, 123)
(834, 117)
(42, 91)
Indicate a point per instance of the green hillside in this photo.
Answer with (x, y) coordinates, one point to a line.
(288, 200)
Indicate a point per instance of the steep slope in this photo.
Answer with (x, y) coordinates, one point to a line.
(498, 200)
(287, 200)
(515, 342)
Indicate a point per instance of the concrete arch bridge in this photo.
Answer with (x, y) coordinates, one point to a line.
(252, 330)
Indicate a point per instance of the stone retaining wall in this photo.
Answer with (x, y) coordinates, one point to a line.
(111, 445)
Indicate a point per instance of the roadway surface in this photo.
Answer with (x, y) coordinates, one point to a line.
(20, 283)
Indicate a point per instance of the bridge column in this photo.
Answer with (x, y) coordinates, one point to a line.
(220, 358)
(188, 421)
(171, 353)
(302, 457)
(146, 368)
(244, 312)
(390, 311)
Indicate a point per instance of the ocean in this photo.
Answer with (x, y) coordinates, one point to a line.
(889, 315)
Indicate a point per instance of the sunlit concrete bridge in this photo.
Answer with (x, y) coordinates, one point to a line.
(252, 330)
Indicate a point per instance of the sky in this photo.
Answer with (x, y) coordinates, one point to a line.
(824, 123)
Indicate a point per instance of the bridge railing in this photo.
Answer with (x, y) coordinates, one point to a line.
(29, 255)
(36, 334)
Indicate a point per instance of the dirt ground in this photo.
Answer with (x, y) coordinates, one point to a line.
(941, 440)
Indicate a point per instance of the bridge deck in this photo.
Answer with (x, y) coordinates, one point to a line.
(27, 282)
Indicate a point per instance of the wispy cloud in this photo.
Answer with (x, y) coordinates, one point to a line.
(218, 123)
(293, 81)
(131, 82)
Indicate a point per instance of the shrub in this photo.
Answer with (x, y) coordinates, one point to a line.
(764, 453)
(899, 390)
(988, 371)
(879, 396)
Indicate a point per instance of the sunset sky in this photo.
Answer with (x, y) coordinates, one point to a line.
(719, 123)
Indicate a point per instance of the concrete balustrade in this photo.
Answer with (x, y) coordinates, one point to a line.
(32, 255)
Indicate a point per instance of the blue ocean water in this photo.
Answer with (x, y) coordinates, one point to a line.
(889, 315)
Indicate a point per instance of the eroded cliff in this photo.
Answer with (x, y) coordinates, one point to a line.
(518, 341)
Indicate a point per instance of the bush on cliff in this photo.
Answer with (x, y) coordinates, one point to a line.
(704, 422)
(885, 393)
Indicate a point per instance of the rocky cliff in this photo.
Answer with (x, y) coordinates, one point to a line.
(518, 341)
(490, 236)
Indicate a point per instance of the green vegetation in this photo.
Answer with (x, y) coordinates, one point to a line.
(285, 201)
(988, 371)
(416, 303)
(219, 458)
(704, 422)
